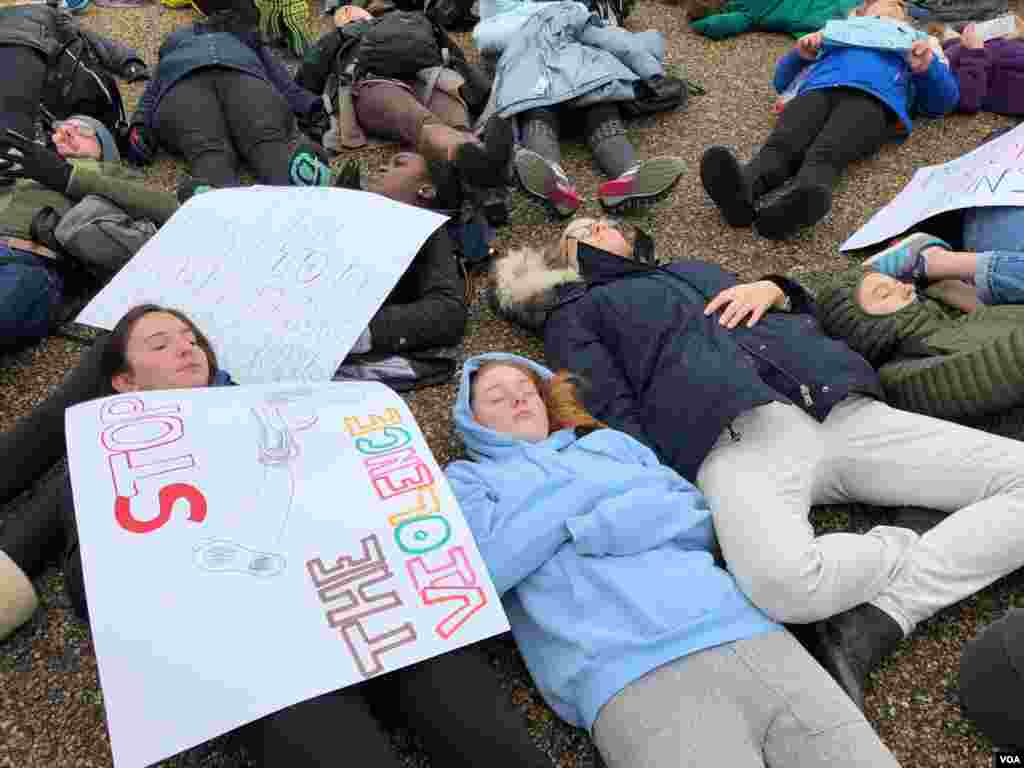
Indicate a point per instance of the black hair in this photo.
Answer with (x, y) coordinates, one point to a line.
(114, 357)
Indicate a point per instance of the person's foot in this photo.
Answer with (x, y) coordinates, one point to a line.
(727, 186)
(546, 182)
(18, 599)
(643, 184)
(484, 163)
(905, 258)
(801, 207)
(851, 645)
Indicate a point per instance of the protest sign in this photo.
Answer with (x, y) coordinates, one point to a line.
(285, 278)
(871, 32)
(991, 175)
(247, 548)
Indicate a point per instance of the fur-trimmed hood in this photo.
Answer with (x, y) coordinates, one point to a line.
(527, 283)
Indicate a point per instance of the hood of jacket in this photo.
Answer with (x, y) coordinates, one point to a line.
(528, 284)
(483, 442)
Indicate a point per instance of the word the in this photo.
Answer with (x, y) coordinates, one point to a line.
(134, 439)
(351, 591)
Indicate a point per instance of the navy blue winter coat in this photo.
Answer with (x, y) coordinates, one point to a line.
(662, 371)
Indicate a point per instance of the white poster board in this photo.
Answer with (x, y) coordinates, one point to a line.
(993, 174)
(247, 548)
(285, 278)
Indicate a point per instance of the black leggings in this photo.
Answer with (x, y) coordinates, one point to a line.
(21, 88)
(37, 442)
(217, 116)
(44, 529)
(819, 133)
(453, 703)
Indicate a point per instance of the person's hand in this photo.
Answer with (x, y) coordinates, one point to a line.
(22, 158)
(316, 122)
(749, 300)
(970, 38)
(921, 55)
(809, 45)
(135, 71)
(141, 145)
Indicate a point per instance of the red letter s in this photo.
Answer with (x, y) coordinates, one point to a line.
(168, 495)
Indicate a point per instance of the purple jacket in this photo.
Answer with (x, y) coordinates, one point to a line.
(991, 78)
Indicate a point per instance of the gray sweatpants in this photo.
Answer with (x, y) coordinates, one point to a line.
(757, 702)
(761, 487)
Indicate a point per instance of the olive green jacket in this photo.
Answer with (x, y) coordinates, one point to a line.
(959, 367)
(20, 202)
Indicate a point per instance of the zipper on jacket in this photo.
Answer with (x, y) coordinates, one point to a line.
(806, 392)
(733, 434)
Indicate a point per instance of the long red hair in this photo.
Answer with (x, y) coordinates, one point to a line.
(560, 395)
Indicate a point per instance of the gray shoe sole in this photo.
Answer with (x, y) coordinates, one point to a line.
(653, 181)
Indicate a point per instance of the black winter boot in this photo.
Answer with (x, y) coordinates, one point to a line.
(852, 644)
(801, 207)
(728, 187)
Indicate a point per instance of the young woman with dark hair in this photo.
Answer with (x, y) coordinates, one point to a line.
(453, 702)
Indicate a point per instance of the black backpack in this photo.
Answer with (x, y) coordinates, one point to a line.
(399, 45)
(76, 84)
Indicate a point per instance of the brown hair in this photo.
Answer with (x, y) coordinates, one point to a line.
(559, 393)
(114, 357)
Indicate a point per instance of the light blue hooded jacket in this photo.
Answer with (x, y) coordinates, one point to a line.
(602, 554)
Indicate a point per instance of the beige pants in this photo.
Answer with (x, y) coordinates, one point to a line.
(761, 488)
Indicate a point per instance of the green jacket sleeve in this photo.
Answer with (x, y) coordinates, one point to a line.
(984, 379)
(722, 25)
(132, 197)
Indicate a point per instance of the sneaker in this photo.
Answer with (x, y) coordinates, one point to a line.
(641, 185)
(546, 182)
(905, 258)
(723, 180)
(800, 207)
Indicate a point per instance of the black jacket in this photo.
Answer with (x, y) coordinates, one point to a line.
(661, 370)
(427, 308)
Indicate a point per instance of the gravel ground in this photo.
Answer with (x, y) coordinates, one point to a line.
(51, 706)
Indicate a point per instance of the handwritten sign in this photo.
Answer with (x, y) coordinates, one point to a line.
(247, 548)
(880, 34)
(991, 175)
(285, 278)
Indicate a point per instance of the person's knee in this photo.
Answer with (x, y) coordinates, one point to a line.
(29, 296)
(784, 588)
(992, 680)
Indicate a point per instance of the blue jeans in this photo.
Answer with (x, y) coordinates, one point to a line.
(996, 234)
(29, 294)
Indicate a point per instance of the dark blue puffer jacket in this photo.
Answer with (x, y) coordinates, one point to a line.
(662, 371)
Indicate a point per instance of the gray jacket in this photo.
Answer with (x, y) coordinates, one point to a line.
(564, 53)
(47, 29)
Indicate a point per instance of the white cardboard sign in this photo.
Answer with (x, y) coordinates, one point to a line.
(285, 278)
(247, 548)
(991, 175)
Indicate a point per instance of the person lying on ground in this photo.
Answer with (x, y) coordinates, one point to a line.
(219, 98)
(853, 101)
(629, 623)
(943, 326)
(46, 218)
(735, 386)
(51, 63)
(593, 74)
(989, 71)
(722, 19)
(427, 308)
(992, 681)
(154, 347)
(392, 82)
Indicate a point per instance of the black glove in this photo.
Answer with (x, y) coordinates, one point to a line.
(22, 158)
(316, 122)
(135, 71)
